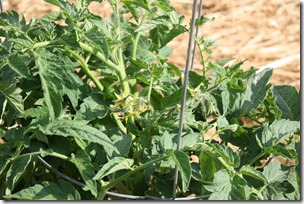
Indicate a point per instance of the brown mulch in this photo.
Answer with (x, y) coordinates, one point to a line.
(259, 31)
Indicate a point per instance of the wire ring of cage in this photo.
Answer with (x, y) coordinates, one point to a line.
(118, 195)
(188, 66)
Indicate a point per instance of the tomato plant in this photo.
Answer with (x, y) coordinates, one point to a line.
(98, 101)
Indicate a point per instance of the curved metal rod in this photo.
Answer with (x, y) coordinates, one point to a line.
(119, 195)
(48, 166)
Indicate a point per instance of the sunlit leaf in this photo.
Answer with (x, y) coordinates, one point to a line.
(226, 186)
(17, 64)
(288, 102)
(16, 171)
(114, 165)
(182, 162)
(86, 169)
(78, 129)
(60, 190)
(13, 96)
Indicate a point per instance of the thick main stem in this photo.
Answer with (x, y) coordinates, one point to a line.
(118, 68)
(86, 69)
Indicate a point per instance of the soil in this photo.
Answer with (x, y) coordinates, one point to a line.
(262, 32)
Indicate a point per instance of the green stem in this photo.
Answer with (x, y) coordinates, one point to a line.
(150, 90)
(43, 44)
(119, 123)
(202, 56)
(133, 82)
(256, 158)
(119, 69)
(61, 156)
(216, 85)
(126, 175)
(121, 72)
(118, 32)
(225, 165)
(99, 56)
(28, 38)
(83, 64)
(259, 192)
(86, 69)
(135, 44)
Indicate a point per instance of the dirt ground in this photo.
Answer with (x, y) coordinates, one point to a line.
(263, 32)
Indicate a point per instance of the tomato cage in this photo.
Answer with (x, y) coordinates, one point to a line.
(191, 50)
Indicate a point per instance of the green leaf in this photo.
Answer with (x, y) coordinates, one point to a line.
(104, 26)
(121, 141)
(114, 165)
(85, 3)
(13, 96)
(35, 112)
(203, 20)
(48, 63)
(61, 145)
(273, 173)
(173, 99)
(296, 183)
(278, 130)
(165, 52)
(195, 79)
(251, 171)
(93, 107)
(68, 8)
(11, 20)
(256, 91)
(230, 157)
(84, 165)
(133, 11)
(174, 32)
(70, 39)
(40, 115)
(144, 55)
(3, 163)
(162, 34)
(278, 183)
(279, 151)
(17, 64)
(149, 25)
(228, 187)
(53, 16)
(137, 3)
(79, 130)
(60, 190)
(22, 42)
(168, 141)
(209, 165)
(288, 102)
(71, 86)
(16, 171)
(182, 162)
(190, 140)
(57, 79)
(96, 38)
(223, 124)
